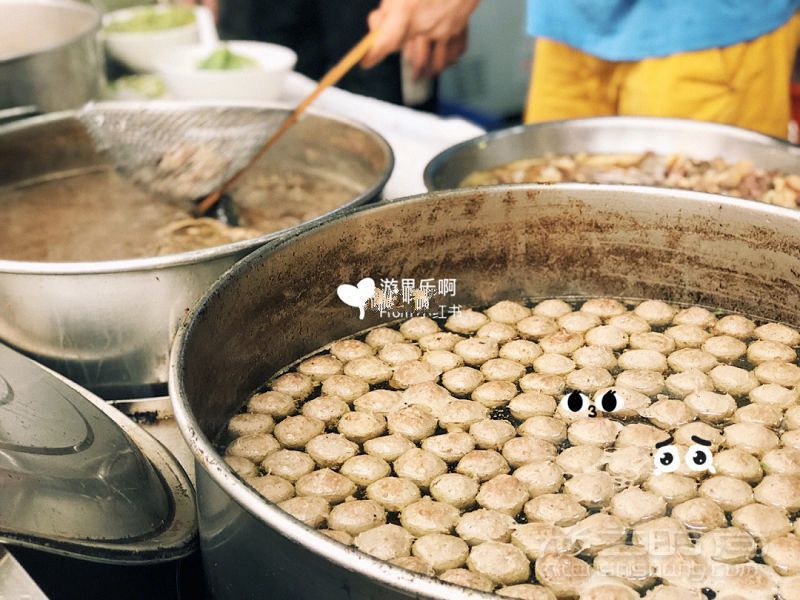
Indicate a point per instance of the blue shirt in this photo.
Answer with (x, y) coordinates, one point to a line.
(635, 29)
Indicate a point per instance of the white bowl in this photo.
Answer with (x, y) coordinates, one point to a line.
(140, 51)
(184, 80)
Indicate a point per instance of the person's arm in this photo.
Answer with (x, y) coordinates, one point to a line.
(433, 32)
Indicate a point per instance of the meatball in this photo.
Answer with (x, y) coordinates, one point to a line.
(344, 387)
(783, 555)
(371, 369)
(540, 478)
(684, 383)
(592, 490)
(711, 406)
(580, 459)
(427, 516)
(468, 579)
(728, 545)
(526, 591)
(536, 327)
(482, 465)
(561, 342)
(386, 542)
(777, 372)
(393, 493)
(499, 332)
(274, 404)
(727, 492)
(630, 465)
(462, 380)
(360, 427)
(466, 321)
(329, 485)
(563, 574)
(491, 434)
(762, 351)
(485, 525)
(388, 447)
(699, 514)
(777, 332)
(640, 435)
(652, 340)
(733, 380)
(630, 323)
(631, 564)
(538, 539)
(411, 372)
(476, 351)
(607, 336)
(589, 380)
(380, 402)
(674, 488)
(548, 429)
(450, 447)
(735, 326)
(552, 308)
(460, 414)
(398, 353)
(593, 432)
(634, 505)
(691, 358)
(414, 422)
(357, 516)
(454, 488)
(503, 493)
(250, 424)
(578, 322)
(774, 395)
(506, 311)
(440, 551)
(738, 463)
(331, 449)
(383, 336)
(443, 360)
(419, 466)
(648, 360)
(668, 414)
(552, 385)
(313, 511)
(532, 404)
(762, 522)
(725, 348)
(295, 432)
(439, 341)
(255, 447)
(327, 409)
(695, 315)
(365, 469)
(320, 367)
(598, 531)
(347, 350)
(296, 385)
(553, 364)
(522, 351)
(750, 437)
(645, 382)
(504, 564)
(273, 488)
(241, 466)
(662, 536)
(418, 327)
(783, 461)
(597, 357)
(412, 563)
(756, 413)
(557, 509)
(288, 464)
(781, 491)
(521, 451)
(494, 393)
(687, 336)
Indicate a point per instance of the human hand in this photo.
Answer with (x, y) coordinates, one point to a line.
(428, 58)
(400, 21)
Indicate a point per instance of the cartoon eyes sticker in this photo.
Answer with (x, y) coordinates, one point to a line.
(578, 403)
(698, 457)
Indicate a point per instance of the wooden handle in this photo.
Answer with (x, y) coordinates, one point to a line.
(330, 78)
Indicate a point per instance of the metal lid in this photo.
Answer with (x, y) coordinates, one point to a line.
(78, 478)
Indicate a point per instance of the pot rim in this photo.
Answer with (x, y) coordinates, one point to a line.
(611, 123)
(92, 30)
(152, 263)
(207, 458)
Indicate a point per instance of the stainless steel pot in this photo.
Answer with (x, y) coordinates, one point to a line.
(280, 303)
(696, 139)
(49, 55)
(108, 325)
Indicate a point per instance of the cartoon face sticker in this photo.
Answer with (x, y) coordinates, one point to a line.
(698, 457)
(580, 405)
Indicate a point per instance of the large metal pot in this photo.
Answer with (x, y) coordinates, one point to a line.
(696, 139)
(280, 303)
(49, 55)
(108, 325)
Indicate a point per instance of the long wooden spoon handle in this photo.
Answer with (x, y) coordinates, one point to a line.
(332, 77)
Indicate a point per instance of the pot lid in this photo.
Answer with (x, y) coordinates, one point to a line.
(78, 478)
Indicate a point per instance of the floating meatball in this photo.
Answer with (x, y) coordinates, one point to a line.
(498, 332)
(388, 447)
(652, 341)
(461, 414)
(440, 551)
(327, 409)
(781, 491)
(339, 536)
(418, 327)
(684, 568)
(331, 449)
(783, 555)
(412, 563)
(727, 492)
(552, 308)
(745, 581)
(485, 525)
(443, 360)
(671, 592)
(450, 447)
(645, 382)
(687, 336)
(419, 466)
(398, 353)
(273, 488)
(628, 402)
(685, 433)
(296, 385)
(383, 336)
(763, 415)
(691, 358)
(522, 351)
(504, 564)
(695, 315)
(539, 539)
(413, 372)
(561, 342)
(345, 387)
(777, 332)
(462, 381)
(540, 478)
(295, 432)
(347, 350)
(580, 459)
(592, 490)
(393, 493)
(563, 574)
(578, 322)
(589, 380)
(468, 579)
(725, 348)
(380, 402)
(466, 321)
(482, 465)
(490, 434)
(598, 531)
(607, 336)
(699, 514)
(662, 536)
(553, 364)
(647, 360)
(762, 351)
(503, 493)
(313, 511)
(604, 308)
(630, 323)
(556, 509)
(630, 465)
(791, 439)
(640, 435)
(536, 327)
(674, 488)
(728, 545)
(600, 587)
(255, 447)
(476, 351)
(668, 414)
(552, 385)
(684, 383)
(791, 418)
(738, 463)
(521, 451)
(762, 522)
(711, 406)
(358, 516)
(777, 372)
(427, 516)
(735, 326)
(631, 564)
(250, 424)
(506, 311)
(634, 505)
(502, 369)
(750, 437)
(733, 380)
(593, 432)
(385, 542)
(532, 404)
(361, 426)
(774, 395)
(526, 591)
(329, 485)
(371, 369)
(288, 464)
(413, 422)
(241, 466)
(439, 341)
(274, 404)
(783, 461)
(365, 469)
(595, 357)
(319, 368)
(456, 489)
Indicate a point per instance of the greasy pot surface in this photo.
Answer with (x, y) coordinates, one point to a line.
(108, 325)
(504, 242)
(610, 135)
